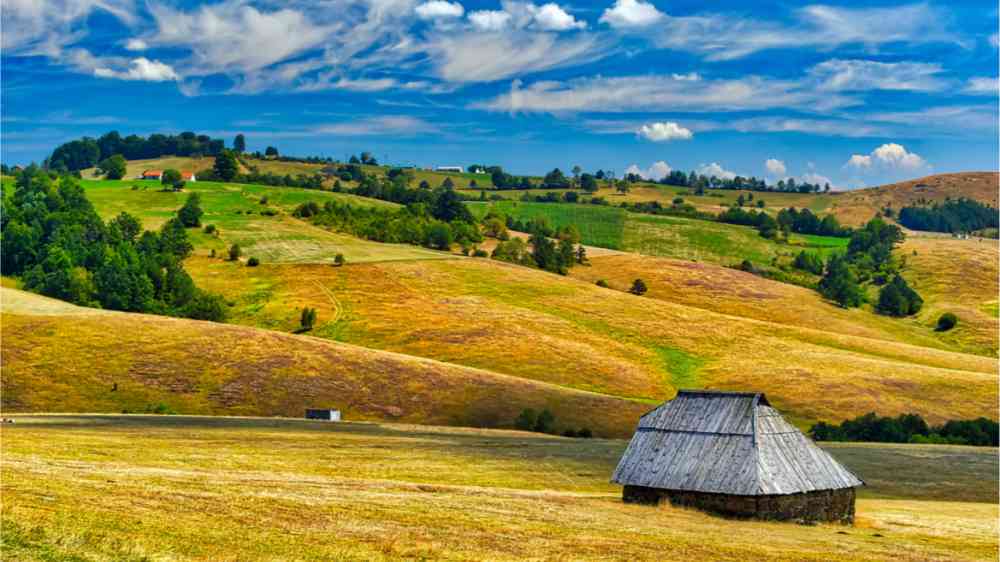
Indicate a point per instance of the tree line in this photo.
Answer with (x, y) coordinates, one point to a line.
(954, 215)
(87, 152)
(908, 428)
(54, 240)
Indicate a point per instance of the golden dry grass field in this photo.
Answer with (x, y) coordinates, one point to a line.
(568, 332)
(81, 488)
(63, 358)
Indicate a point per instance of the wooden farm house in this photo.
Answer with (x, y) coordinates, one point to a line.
(731, 453)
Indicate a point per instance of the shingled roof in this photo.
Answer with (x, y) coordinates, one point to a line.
(726, 443)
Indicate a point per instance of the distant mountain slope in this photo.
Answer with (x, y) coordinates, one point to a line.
(61, 358)
(856, 207)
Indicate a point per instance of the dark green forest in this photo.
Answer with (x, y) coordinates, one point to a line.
(54, 240)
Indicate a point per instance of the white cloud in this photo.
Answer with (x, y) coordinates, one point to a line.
(136, 44)
(816, 179)
(482, 57)
(385, 125)
(890, 156)
(140, 69)
(982, 85)
(660, 132)
(550, 17)
(714, 169)
(547, 17)
(45, 27)
(631, 14)
(235, 37)
(859, 161)
(723, 37)
(858, 75)
(489, 20)
(689, 77)
(663, 93)
(439, 9)
(657, 171)
(775, 167)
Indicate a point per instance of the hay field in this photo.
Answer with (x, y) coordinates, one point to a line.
(135, 168)
(169, 488)
(59, 357)
(567, 332)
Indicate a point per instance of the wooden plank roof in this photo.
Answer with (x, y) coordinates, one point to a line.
(727, 443)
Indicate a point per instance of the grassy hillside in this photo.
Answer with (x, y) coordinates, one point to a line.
(599, 226)
(957, 276)
(135, 168)
(737, 293)
(62, 358)
(90, 487)
(715, 242)
(534, 325)
(856, 207)
(236, 210)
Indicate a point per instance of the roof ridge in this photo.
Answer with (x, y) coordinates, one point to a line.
(756, 447)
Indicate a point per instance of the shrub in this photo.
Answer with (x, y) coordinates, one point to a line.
(526, 420)
(807, 261)
(253, 262)
(896, 298)
(946, 322)
(569, 433)
(210, 229)
(160, 408)
(235, 252)
(480, 253)
(545, 421)
(638, 287)
(263, 200)
(269, 212)
(307, 319)
(190, 214)
(339, 260)
(585, 433)
(306, 210)
(602, 283)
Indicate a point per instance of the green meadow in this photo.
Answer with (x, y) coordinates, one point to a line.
(599, 226)
(256, 217)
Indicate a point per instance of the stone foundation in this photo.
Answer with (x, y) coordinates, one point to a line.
(830, 506)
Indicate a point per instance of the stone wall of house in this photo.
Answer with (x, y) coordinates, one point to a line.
(835, 506)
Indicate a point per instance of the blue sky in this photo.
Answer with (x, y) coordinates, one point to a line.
(854, 93)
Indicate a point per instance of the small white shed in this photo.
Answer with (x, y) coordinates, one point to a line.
(323, 414)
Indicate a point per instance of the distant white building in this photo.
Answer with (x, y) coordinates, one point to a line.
(449, 169)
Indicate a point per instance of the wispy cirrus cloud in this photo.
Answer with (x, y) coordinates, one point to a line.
(662, 93)
(860, 75)
(725, 37)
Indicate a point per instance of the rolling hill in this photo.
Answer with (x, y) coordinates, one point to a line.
(701, 325)
(534, 325)
(858, 206)
(62, 358)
